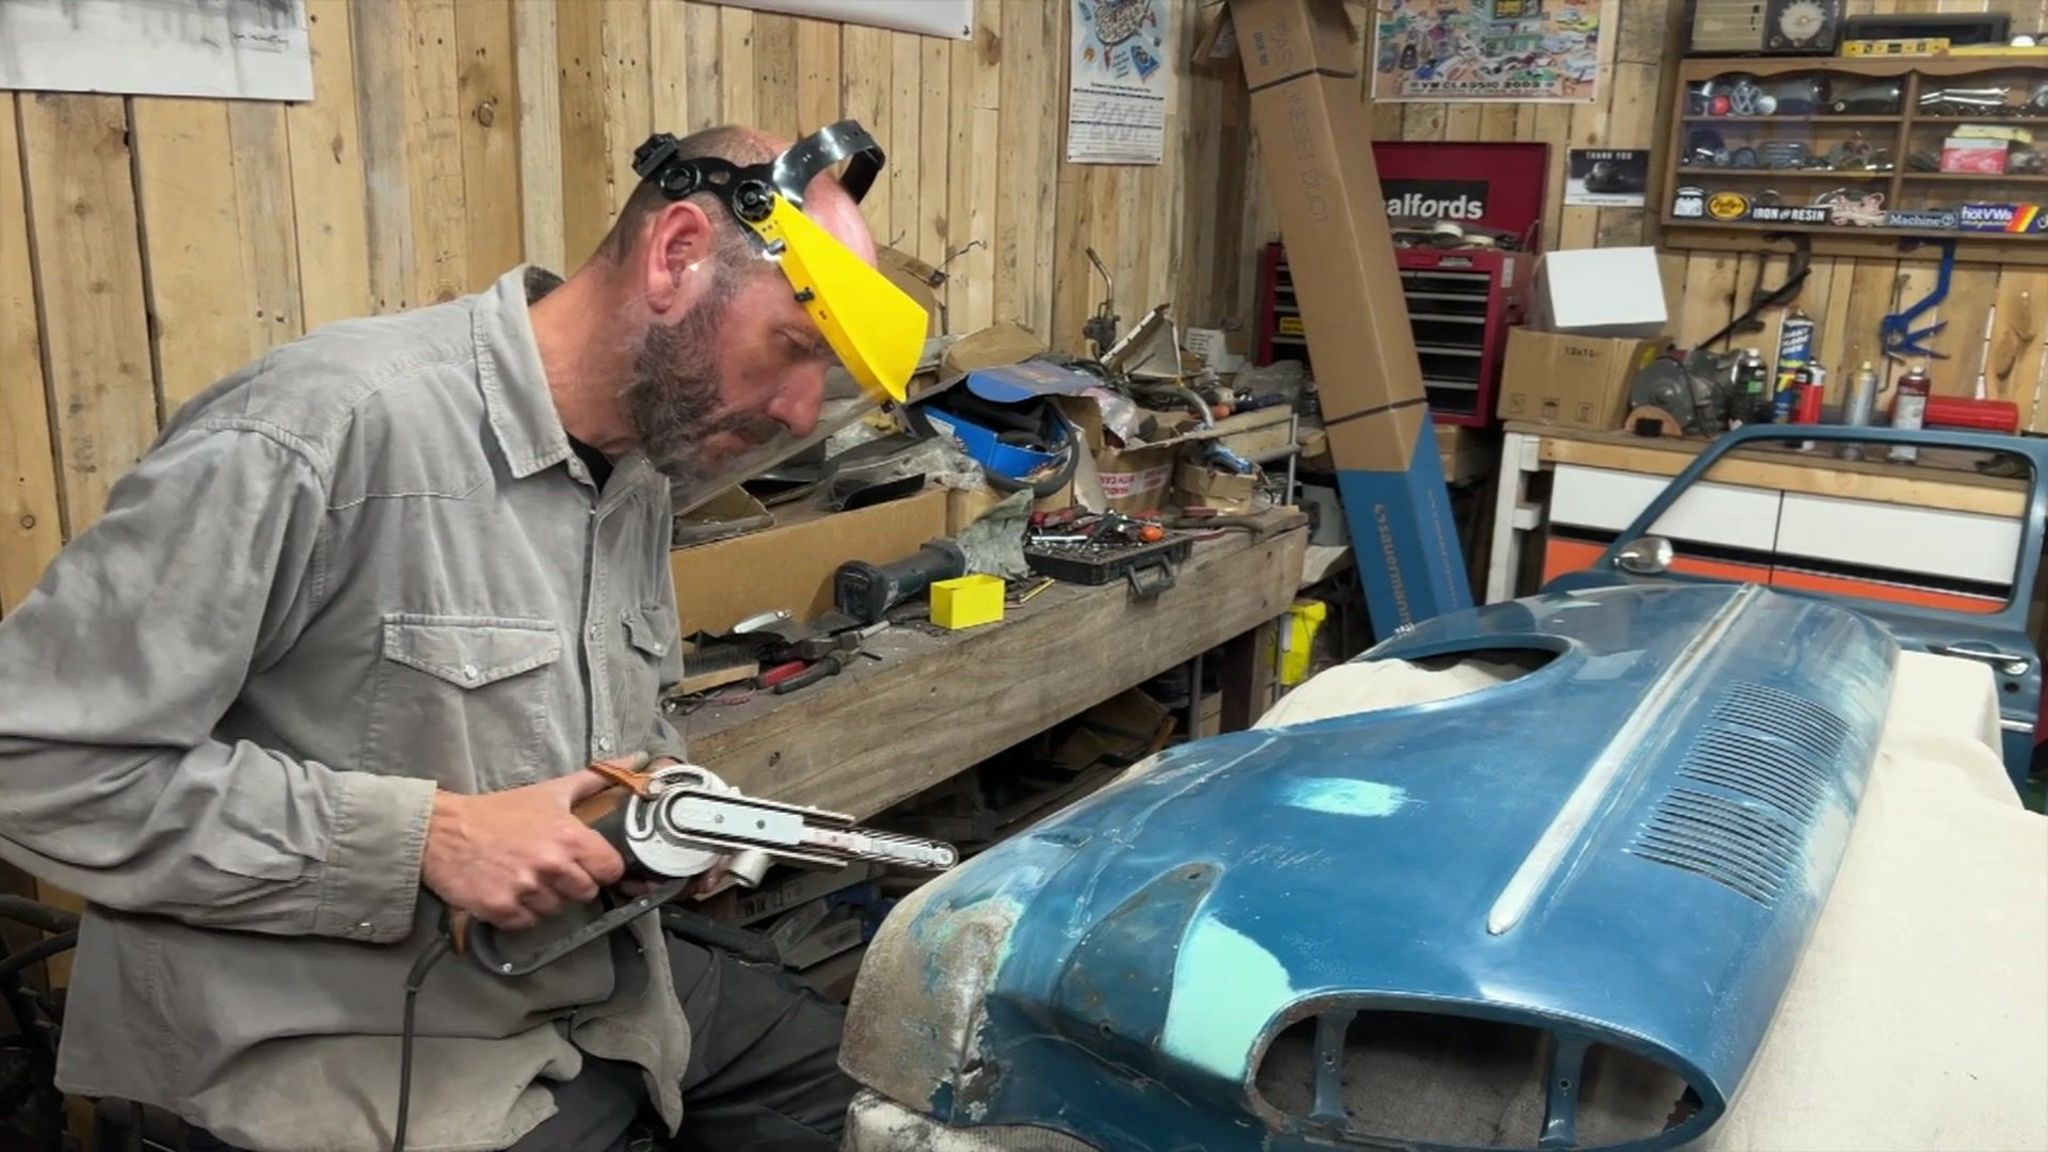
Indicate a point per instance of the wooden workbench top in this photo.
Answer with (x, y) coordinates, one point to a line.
(1945, 480)
(933, 705)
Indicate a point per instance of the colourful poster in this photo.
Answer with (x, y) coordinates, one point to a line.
(1523, 50)
(1119, 81)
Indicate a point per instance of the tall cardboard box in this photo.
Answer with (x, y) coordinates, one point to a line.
(1570, 381)
(1301, 62)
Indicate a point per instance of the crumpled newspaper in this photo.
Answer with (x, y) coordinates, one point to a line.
(994, 544)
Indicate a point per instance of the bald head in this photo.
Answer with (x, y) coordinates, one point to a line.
(825, 201)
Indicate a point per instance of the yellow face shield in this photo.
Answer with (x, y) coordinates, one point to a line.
(875, 329)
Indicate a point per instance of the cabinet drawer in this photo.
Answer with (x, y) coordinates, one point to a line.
(1725, 515)
(1955, 545)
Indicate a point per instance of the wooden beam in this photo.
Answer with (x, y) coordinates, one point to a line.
(327, 176)
(31, 516)
(629, 97)
(487, 89)
(935, 135)
(95, 317)
(906, 135)
(542, 229)
(382, 57)
(586, 157)
(433, 148)
(865, 95)
(263, 201)
(191, 237)
(706, 66)
(882, 732)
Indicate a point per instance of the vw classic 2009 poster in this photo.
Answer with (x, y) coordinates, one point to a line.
(1521, 50)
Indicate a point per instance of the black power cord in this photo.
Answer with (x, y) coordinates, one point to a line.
(413, 980)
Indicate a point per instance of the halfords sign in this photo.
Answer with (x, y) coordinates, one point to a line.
(1493, 186)
(1436, 199)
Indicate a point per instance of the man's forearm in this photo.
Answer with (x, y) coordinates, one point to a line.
(219, 836)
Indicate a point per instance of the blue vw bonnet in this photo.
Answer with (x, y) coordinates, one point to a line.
(1559, 912)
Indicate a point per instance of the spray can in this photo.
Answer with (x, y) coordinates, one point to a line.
(1859, 406)
(1809, 390)
(1752, 387)
(1795, 347)
(1909, 409)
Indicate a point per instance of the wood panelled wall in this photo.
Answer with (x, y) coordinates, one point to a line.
(150, 245)
(1846, 298)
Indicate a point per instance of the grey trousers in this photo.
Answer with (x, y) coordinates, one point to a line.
(763, 1076)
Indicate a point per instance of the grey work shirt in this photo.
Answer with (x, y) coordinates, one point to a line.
(364, 568)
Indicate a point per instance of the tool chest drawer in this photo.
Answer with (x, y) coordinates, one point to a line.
(1460, 305)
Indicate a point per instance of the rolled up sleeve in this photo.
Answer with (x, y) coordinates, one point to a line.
(116, 671)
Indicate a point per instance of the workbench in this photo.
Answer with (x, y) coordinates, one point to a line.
(933, 706)
(1936, 532)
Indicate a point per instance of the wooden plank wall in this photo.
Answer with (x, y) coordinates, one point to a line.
(150, 245)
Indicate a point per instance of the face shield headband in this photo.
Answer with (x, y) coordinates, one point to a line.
(876, 330)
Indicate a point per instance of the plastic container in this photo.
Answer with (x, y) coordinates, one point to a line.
(968, 601)
(1297, 640)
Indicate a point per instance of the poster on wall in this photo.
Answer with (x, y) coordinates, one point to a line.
(953, 19)
(1521, 50)
(1607, 177)
(223, 49)
(1119, 79)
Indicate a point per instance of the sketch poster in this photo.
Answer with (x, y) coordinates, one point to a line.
(1524, 50)
(1607, 177)
(225, 49)
(1119, 81)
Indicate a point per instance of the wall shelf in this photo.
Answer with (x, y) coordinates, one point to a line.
(1734, 192)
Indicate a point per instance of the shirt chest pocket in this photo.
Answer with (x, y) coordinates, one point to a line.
(651, 637)
(468, 700)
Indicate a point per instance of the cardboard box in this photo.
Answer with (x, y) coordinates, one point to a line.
(1196, 487)
(1134, 479)
(1301, 64)
(1601, 292)
(964, 506)
(1985, 157)
(1570, 381)
(791, 565)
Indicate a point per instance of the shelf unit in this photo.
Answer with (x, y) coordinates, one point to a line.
(1902, 187)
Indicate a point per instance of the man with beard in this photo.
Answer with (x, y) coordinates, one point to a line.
(332, 663)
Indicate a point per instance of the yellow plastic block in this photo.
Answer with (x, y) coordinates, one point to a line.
(967, 601)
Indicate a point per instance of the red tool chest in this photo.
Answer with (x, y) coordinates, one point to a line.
(1461, 301)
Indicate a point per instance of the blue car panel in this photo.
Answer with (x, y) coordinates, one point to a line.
(1583, 891)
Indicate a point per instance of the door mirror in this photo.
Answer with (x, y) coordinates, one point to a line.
(1645, 556)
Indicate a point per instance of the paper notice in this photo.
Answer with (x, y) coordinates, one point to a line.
(1116, 110)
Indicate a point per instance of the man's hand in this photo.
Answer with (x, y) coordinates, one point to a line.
(509, 858)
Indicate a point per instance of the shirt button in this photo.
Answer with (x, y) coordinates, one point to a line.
(604, 743)
(596, 631)
(469, 672)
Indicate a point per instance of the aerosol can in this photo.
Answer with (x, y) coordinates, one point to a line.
(1795, 348)
(1752, 389)
(1909, 409)
(1859, 406)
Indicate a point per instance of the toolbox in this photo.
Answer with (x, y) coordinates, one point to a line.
(1149, 568)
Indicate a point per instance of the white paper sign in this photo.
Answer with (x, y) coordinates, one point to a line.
(223, 49)
(949, 18)
(1120, 81)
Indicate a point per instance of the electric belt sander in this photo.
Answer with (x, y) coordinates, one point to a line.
(678, 821)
